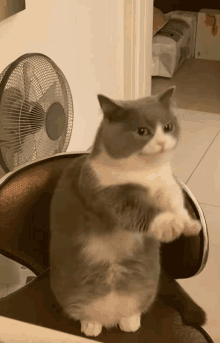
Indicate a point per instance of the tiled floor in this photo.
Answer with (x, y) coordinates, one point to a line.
(14, 277)
(197, 164)
(197, 85)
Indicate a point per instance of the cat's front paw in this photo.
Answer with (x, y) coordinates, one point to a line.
(192, 227)
(167, 227)
(91, 328)
(130, 324)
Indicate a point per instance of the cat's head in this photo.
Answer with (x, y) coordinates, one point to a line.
(145, 126)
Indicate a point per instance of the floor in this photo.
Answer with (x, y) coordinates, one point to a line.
(197, 85)
(196, 163)
(13, 276)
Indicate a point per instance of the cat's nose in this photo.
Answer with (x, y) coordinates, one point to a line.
(161, 143)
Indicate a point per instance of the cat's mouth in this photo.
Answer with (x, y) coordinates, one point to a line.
(153, 153)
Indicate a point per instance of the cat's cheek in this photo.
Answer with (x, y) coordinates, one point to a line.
(170, 143)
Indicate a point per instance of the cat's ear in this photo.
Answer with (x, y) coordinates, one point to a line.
(165, 97)
(110, 109)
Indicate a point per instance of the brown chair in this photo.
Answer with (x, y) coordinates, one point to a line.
(25, 196)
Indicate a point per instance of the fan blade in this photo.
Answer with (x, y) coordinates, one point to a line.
(28, 71)
(48, 95)
(9, 113)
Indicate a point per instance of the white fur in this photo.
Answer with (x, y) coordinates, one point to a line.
(111, 249)
(91, 328)
(130, 324)
(126, 324)
(110, 310)
(160, 141)
(171, 225)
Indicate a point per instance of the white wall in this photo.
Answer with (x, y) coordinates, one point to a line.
(97, 41)
(85, 39)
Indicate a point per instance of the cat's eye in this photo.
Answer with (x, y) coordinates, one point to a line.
(143, 131)
(168, 127)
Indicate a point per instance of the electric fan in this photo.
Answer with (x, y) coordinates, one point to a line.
(36, 111)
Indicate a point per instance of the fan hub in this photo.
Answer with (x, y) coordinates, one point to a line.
(55, 121)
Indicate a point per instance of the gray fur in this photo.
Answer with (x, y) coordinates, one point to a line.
(82, 209)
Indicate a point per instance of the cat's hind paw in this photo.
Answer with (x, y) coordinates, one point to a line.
(91, 328)
(130, 324)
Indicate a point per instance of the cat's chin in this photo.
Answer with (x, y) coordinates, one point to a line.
(154, 154)
(163, 152)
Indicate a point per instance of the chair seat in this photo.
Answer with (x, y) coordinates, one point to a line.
(25, 198)
(34, 303)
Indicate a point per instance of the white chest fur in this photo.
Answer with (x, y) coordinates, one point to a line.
(159, 181)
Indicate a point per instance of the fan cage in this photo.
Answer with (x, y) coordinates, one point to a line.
(46, 78)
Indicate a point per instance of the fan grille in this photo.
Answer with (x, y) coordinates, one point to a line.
(27, 94)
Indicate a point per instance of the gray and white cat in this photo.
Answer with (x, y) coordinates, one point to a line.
(110, 211)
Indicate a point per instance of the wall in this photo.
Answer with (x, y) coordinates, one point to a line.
(85, 39)
(97, 41)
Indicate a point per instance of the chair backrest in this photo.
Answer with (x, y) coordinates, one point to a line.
(25, 197)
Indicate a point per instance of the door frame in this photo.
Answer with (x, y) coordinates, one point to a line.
(138, 34)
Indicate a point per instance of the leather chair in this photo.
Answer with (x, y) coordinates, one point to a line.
(25, 196)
